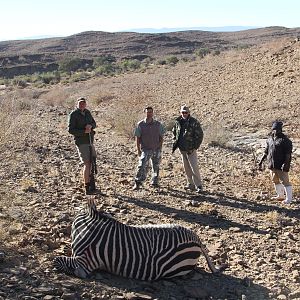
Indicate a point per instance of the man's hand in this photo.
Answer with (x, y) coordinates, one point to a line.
(88, 128)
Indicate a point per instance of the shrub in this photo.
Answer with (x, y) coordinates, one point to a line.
(161, 62)
(172, 60)
(130, 64)
(49, 77)
(124, 124)
(107, 69)
(202, 52)
(103, 60)
(70, 64)
(216, 52)
(79, 76)
(216, 135)
(100, 98)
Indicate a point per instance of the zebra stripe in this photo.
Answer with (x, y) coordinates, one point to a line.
(142, 252)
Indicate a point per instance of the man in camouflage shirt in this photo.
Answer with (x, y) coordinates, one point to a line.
(188, 136)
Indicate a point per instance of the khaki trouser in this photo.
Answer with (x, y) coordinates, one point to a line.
(190, 164)
(279, 176)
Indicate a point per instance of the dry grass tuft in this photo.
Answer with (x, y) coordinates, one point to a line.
(60, 97)
(123, 123)
(216, 135)
(274, 217)
(208, 209)
(101, 98)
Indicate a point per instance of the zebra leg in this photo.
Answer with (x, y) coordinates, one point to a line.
(211, 265)
(70, 266)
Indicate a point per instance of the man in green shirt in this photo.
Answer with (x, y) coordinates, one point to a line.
(81, 125)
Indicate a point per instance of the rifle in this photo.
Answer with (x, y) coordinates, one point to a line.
(93, 168)
(255, 163)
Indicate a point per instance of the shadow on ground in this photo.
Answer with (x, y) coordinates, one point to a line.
(198, 284)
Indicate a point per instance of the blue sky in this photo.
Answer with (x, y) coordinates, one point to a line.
(29, 18)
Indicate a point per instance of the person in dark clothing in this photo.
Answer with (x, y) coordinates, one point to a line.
(188, 136)
(81, 125)
(278, 153)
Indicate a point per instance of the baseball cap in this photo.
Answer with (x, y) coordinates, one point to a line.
(81, 99)
(184, 108)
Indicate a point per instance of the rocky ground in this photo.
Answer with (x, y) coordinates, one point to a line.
(236, 96)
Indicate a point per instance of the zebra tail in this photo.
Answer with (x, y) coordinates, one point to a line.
(211, 265)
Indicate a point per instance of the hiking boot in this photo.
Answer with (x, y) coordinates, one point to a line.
(199, 189)
(155, 185)
(190, 187)
(136, 186)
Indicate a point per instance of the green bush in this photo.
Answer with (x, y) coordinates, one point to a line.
(130, 64)
(49, 77)
(107, 69)
(161, 62)
(216, 52)
(80, 76)
(103, 60)
(70, 64)
(202, 52)
(21, 81)
(172, 60)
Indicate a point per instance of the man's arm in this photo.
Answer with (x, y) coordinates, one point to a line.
(288, 156)
(161, 135)
(161, 140)
(138, 145)
(198, 135)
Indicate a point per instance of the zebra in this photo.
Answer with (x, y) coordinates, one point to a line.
(147, 252)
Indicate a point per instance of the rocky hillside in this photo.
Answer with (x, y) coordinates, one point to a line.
(30, 56)
(236, 96)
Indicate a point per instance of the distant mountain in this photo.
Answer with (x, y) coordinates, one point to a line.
(214, 29)
(43, 55)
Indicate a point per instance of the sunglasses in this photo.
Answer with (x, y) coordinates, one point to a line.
(184, 112)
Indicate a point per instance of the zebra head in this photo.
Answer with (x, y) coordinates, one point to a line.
(70, 266)
(65, 264)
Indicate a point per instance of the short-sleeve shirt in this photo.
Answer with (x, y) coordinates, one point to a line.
(150, 134)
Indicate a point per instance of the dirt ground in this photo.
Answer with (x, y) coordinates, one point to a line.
(236, 96)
